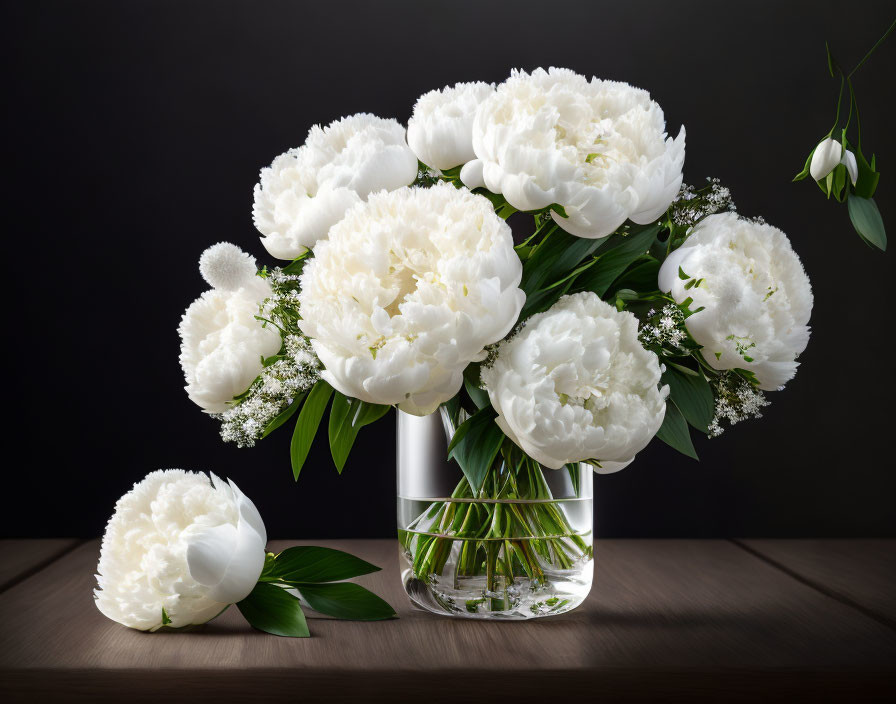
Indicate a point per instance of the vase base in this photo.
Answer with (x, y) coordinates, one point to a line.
(518, 601)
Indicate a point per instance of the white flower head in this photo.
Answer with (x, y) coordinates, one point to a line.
(575, 384)
(440, 132)
(407, 291)
(755, 296)
(825, 158)
(226, 267)
(178, 549)
(222, 342)
(308, 189)
(597, 148)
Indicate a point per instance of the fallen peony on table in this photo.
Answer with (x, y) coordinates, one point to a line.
(695, 619)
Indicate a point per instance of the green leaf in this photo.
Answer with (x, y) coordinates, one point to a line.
(346, 600)
(554, 257)
(674, 432)
(309, 563)
(617, 255)
(479, 443)
(479, 396)
(693, 396)
(866, 183)
(307, 425)
(642, 277)
(347, 417)
(165, 619)
(294, 268)
(805, 172)
(274, 610)
(283, 416)
(867, 221)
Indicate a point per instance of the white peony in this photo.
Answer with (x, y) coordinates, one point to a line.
(755, 296)
(308, 189)
(407, 291)
(598, 148)
(440, 132)
(181, 545)
(222, 343)
(575, 385)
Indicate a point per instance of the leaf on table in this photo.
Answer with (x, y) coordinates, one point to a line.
(310, 563)
(274, 610)
(346, 600)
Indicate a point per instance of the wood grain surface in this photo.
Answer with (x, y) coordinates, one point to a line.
(862, 572)
(21, 558)
(667, 619)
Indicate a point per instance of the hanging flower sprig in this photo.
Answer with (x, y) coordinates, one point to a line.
(840, 168)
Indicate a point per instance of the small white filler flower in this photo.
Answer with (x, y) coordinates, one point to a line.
(408, 290)
(575, 385)
(222, 343)
(440, 132)
(751, 293)
(308, 189)
(178, 550)
(597, 148)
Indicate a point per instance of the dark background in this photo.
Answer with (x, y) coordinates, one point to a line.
(135, 132)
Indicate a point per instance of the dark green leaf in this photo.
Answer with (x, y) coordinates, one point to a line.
(274, 610)
(674, 432)
(309, 563)
(693, 396)
(867, 221)
(553, 258)
(307, 424)
(479, 396)
(347, 417)
(642, 277)
(617, 254)
(866, 183)
(294, 268)
(346, 600)
(480, 441)
(283, 416)
(805, 172)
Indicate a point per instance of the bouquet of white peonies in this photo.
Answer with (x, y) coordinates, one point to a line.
(625, 306)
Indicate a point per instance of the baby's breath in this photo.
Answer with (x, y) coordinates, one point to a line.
(693, 204)
(664, 329)
(279, 383)
(736, 400)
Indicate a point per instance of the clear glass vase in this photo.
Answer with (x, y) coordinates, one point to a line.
(520, 548)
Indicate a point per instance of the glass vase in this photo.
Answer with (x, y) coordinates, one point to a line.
(520, 547)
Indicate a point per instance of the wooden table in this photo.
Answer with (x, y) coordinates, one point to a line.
(667, 619)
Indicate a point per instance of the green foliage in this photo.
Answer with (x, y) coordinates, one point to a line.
(692, 395)
(347, 417)
(307, 424)
(475, 445)
(616, 256)
(674, 431)
(316, 573)
(283, 416)
(271, 609)
(346, 600)
(310, 563)
(867, 221)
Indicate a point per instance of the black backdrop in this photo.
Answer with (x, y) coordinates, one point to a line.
(136, 132)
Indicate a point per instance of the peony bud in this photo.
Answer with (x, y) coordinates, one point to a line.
(849, 161)
(825, 159)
